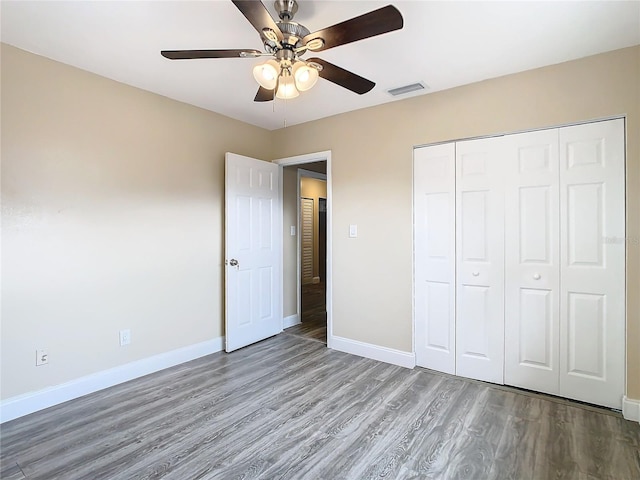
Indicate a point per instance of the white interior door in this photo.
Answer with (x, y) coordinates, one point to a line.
(592, 304)
(253, 251)
(532, 283)
(434, 227)
(480, 259)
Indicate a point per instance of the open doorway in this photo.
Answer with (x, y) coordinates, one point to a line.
(313, 260)
(306, 238)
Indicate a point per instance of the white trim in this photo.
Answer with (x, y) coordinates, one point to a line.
(290, 321)
(306, 158)
(324, 156)
(298, 247)
(27, 403)
(631, 409)
(413, 253)
(516, 132)
(375, 352)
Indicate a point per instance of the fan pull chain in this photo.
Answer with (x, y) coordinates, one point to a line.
(285, 113)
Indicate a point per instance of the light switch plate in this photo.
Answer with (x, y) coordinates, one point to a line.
(353, 231)
(125, 337)
(293, 230)
(42, 357)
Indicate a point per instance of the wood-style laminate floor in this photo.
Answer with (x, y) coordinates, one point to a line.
(314, 314)
(290, 408)
(311, 329)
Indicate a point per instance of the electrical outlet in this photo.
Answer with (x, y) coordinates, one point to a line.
(42, 357)
(125, 337)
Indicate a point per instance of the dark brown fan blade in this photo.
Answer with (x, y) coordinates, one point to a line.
(263, 95)
(190, 54)
(383, 20)
(258, 16)
(342, 77)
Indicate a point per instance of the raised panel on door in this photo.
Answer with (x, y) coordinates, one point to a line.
(592, 303)
(480, 260)
(434, 243)
(532, 266)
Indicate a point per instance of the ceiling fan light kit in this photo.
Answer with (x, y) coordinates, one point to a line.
(286, 87)
(266, 74)
(287, 74)
(305, 75)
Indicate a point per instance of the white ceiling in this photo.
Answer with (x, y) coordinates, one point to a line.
(444, 44)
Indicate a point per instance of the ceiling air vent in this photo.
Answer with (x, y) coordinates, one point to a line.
(414, 87)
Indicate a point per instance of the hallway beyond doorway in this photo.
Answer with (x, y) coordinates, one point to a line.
(314, 314)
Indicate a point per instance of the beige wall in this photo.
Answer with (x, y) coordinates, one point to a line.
(372, 179)
(112, 217)
(314, 189)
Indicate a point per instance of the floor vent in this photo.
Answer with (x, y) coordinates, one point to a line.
(407, 89)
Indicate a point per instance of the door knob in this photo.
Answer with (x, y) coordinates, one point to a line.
(234, 263)
(536, 276)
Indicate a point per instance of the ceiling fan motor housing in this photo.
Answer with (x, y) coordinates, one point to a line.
(293, 34)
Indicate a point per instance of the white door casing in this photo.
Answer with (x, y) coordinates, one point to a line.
(434, 227)
(480, 259)
(592, 231)
(253, 239)
(532, 264)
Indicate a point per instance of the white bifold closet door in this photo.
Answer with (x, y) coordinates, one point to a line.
(434, 221)
(592, 272)
(532, 260)
(520, 260)
(480, 259)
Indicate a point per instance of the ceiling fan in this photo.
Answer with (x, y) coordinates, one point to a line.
(286, 73)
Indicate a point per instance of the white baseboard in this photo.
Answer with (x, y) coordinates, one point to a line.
(27, 403)
(290, 321)
(375, 352)
(631, 409)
